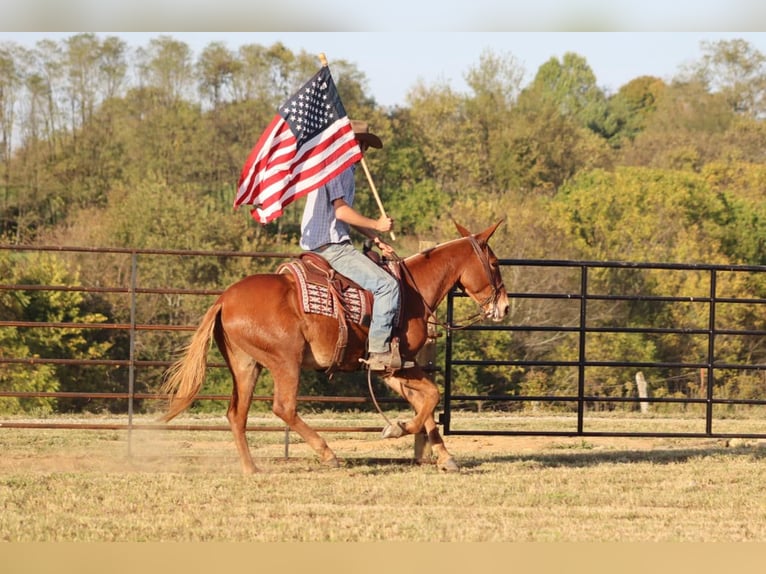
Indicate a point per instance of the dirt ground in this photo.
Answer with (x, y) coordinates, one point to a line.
(159, 451)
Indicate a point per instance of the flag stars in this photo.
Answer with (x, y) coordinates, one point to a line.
(311, 109)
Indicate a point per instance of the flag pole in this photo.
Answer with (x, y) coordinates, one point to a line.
(375, 193)
(323, 61)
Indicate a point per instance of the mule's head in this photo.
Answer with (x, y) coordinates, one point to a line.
(480, 277)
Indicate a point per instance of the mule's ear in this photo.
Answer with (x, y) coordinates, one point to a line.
(487, 233)
(462, 230)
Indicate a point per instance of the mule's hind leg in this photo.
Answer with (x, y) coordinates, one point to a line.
(423, 396)
(245, 374)
(285, 406)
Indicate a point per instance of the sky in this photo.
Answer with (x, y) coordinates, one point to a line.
(394, 62)
(388, 15)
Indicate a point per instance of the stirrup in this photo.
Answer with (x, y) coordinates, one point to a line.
(392, 361)
(393, 364)
(396, 357)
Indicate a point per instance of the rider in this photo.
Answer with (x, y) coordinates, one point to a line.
(327, 219)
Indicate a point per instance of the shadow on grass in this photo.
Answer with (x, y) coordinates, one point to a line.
(570, 458)
(585, 458)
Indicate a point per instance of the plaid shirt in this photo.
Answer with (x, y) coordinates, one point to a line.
(319, 225)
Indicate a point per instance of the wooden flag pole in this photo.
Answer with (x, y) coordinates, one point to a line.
(323, 61)
(375, 193)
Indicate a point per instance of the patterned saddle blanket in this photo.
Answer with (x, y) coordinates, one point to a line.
(323, 291)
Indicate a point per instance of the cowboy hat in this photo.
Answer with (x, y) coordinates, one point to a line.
(363, 134)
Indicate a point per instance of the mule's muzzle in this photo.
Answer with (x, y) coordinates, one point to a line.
(499, 310)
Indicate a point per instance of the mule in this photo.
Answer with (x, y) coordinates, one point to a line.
(258, 323)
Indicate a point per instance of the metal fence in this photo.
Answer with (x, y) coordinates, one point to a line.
(707, 298)
(579, 300)
(133, 290)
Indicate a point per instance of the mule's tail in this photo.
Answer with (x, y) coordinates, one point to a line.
(184, 378)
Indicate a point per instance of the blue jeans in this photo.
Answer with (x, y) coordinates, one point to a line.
(355, 265)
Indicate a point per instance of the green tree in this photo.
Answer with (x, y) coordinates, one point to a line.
(166, 64)
(48, 61)
(632, 106)
(496, 83)
(408, 192)
(543, 148)
(10, 89)
(736, 70)
(740, 185)
(570, 86)
(249, 79)
(442, 130)
(82, 54)
(216, 68)
(685, 132)
(639, 214)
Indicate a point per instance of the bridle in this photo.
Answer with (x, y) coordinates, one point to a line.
(495, 283)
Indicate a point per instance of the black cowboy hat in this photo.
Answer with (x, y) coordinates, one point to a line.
(363, 134)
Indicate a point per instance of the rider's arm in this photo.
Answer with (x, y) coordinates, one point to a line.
(364, 225)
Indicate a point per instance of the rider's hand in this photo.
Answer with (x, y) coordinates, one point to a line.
(384, 247)
(384, 223)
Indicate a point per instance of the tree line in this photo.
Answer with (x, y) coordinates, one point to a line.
(102, 144)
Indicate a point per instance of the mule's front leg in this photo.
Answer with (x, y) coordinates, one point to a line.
(444, 460)
(420, 393)
(423, 396)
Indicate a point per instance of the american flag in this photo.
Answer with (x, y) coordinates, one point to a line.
(308, 142)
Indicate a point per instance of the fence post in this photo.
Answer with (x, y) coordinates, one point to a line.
(132, 361)
(642, 392)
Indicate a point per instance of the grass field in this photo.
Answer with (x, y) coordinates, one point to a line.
(96, 485)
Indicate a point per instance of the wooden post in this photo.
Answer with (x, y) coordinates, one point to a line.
(642, 391)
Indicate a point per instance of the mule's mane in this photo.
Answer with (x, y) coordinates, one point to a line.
(437, 247)
(436, 269)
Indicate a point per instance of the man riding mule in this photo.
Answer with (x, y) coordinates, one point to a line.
(327, 218)
(259, 322)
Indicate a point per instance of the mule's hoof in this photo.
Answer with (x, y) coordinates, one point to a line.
(331, 463)
(394, 430)
(449, 465)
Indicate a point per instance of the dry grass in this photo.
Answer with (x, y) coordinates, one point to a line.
(77, 485)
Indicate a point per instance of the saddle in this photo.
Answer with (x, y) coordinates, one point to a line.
(324, 291)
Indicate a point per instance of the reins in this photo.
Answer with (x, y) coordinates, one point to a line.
(374, 400)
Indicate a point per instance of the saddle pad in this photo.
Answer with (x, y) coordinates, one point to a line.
(315, 297)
